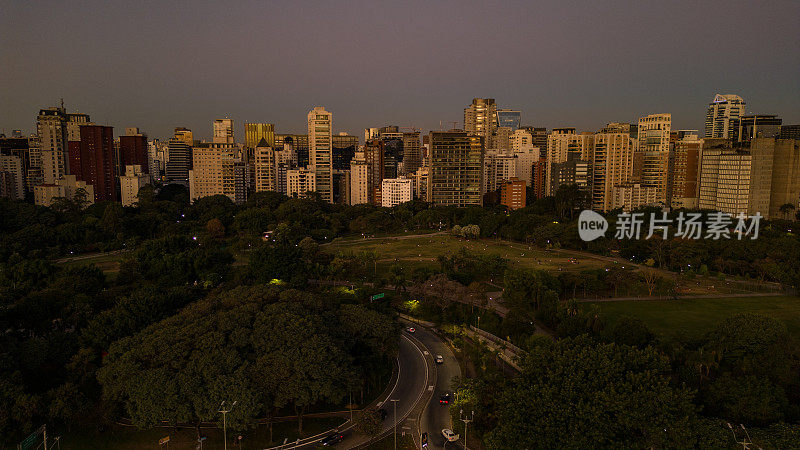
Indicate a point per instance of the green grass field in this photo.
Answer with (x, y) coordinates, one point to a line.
(694, 317)
(422, 251)
(107, 262)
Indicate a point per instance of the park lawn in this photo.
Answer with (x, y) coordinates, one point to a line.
(124, 438)
(423, 251)
(107, 262)
(694, 317)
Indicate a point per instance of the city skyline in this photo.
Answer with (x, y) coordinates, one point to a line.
(389, 64)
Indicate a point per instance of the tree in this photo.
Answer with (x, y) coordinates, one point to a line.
(786, 209)
(579, 394)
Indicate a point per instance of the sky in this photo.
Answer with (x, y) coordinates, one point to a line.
(158, 65)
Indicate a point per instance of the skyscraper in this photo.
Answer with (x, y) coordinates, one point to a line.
(179, 160)
(651, 161)
(254, 132)
(456, 163)
(758, 126)
(480, 119)
(320, 129)
(684, 170)
(94, 163)
(133, 150)
(612, 164)
(51, 129)
(724, 177)
(509, 118)
(264, 166)
(722, 116)
(223, 131)
(564, 144)
(217, 170)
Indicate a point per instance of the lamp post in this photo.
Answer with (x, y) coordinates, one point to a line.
(225, 412)
(466, 420)
(394, 404)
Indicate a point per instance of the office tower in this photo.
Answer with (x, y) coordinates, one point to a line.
(129, 184)
(723, 116)
(133, 150)
(264, 166)
(684, 170)
(223, 131)
(73, 124)
(456, 164)
(612, 165)
(344, 149)
(51, 129)
(156, 153)
(370, 134)
(320, 129)
(789, 132)
(758, 126)
(93, 161)
(562, 145)
(651, 160)
(412, 152)
(285, 160)
(497, 167)
(255, 132)
(572, 171)
(359, 181)
(34, 174)
(509, 118)
(775, 176)
(502, 139)
(217, 169)
(480, 119)
(512, 193)
(724, 177)
(184, 135)
(374, 152)
(630, 196)
(179, 161)
(538, 137)
(301, 181)
(12, 177)
(421, 181)
(298, 142)
(395, 191)
(67, 186)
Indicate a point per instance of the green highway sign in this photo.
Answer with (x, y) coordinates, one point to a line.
(377, 296)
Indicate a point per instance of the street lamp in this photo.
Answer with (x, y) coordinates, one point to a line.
(225, 412)
(466, 420)
(394, 404)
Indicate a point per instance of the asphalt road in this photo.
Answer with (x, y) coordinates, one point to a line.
(410, 385)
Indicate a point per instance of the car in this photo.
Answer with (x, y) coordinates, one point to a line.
(439, 359)
(412, 330)
(332, 439)
(445, 399)
(449, 435)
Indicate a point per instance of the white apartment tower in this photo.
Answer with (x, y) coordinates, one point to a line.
(723, 115)
(395, 191)
(223, 131)
(320, 128)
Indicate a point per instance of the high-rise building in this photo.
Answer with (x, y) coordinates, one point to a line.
(13, 177)
(320, 129)
(630, 196)
(130, 183)
(299, 144)
(374, 152)
(395, 191)
(456, 164)
(651, 160)
(612, 165)
(217, 169)
(539, 138)
(179, 160)
(564, 144)
(223, 131)
(758, 126)
(51, 128)
(512, 193)
(497, 167)
(421, 181)
(509, 118)
(572, 171)
(264, 166)
(93, 161)
(502, 139)
(359, 179)
(722, 117)
(16, 149)
(300, 181)
(480, 119)
(789, 132)
(412, 154)
(255, 132)
(775, 176)
(344, 149)
(184, 135)
(521, 140)
(133, 150)
(724, 177)
(684, 170)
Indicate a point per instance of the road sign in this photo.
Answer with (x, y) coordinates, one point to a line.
(163, 440)
(377, 296)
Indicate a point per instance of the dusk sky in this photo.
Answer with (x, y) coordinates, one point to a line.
(157, 65)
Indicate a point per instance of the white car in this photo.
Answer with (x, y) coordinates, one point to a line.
(449, 435)
(439, 359)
